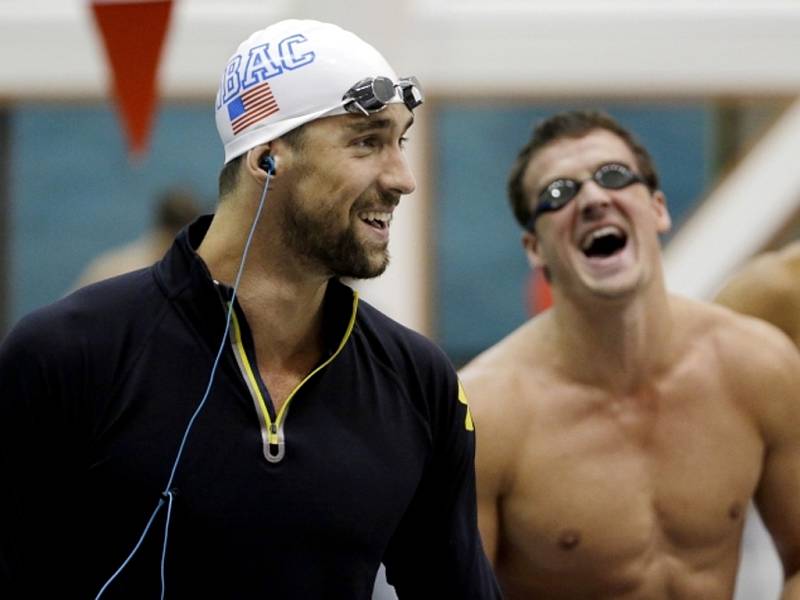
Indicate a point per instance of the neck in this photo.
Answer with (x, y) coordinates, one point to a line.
(617, 344)
(285, 318)
(281, 301)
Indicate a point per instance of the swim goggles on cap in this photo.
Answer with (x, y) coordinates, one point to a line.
(372, 94)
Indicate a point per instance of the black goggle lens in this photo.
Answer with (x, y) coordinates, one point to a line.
(615, 176)
(611, 176)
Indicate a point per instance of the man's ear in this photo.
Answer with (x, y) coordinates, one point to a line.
(530, 244)
(663, 220)
(260, 161)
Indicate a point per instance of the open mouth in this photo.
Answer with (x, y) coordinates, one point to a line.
(378, 220)
(604, 242)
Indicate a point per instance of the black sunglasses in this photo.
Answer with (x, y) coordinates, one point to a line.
(611, 176)
(373, 94)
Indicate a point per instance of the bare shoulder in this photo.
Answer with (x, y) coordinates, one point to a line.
(504, 385)
(494, 375)
(764, 268)
(766, 285)
(487, 374)
(503, 390)
(736, 335)
(759, 363)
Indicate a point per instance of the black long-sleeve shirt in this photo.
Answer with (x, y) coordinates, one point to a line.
(370, 459)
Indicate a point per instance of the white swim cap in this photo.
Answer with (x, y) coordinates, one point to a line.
(296, 71)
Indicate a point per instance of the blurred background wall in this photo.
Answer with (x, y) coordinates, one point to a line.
(710, 86)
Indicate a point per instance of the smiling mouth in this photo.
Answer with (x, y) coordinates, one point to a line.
(604, 242)
(376, 219)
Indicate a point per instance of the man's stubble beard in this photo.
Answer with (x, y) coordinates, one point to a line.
(341, 253)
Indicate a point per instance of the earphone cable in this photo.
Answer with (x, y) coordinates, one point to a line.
(168, 493)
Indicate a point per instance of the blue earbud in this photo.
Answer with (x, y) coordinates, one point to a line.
(267, 163)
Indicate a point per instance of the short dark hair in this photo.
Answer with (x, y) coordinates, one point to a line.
(571, 124)
(229, 175)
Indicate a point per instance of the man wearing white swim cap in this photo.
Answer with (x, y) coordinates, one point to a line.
(242, 425)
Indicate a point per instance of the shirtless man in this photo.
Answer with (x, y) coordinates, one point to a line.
(623, 432)
(768, 287)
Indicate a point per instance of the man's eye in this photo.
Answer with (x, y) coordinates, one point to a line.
(367, 142)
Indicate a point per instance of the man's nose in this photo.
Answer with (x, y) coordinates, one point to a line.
(397, 176)
(593, 200)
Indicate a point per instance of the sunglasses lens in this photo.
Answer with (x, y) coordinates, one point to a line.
(614, 176)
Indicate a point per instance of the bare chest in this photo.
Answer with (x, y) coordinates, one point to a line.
(621, 484)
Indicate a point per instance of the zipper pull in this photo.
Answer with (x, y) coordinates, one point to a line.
(275, 448)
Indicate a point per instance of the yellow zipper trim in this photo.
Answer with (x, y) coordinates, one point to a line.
(253, 382)
(350, 325)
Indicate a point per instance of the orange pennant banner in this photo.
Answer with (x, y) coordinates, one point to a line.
(133, 34)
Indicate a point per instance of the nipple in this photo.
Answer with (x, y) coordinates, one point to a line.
(735, 511)
(569, 539)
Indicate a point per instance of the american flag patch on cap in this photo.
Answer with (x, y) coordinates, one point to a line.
(252, 105)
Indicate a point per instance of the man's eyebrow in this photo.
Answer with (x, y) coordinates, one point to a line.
(362, 125)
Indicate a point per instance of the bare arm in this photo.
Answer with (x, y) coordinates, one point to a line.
(778, 492)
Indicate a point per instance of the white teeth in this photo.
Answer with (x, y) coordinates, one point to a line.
(593, 235)
(383, 217)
